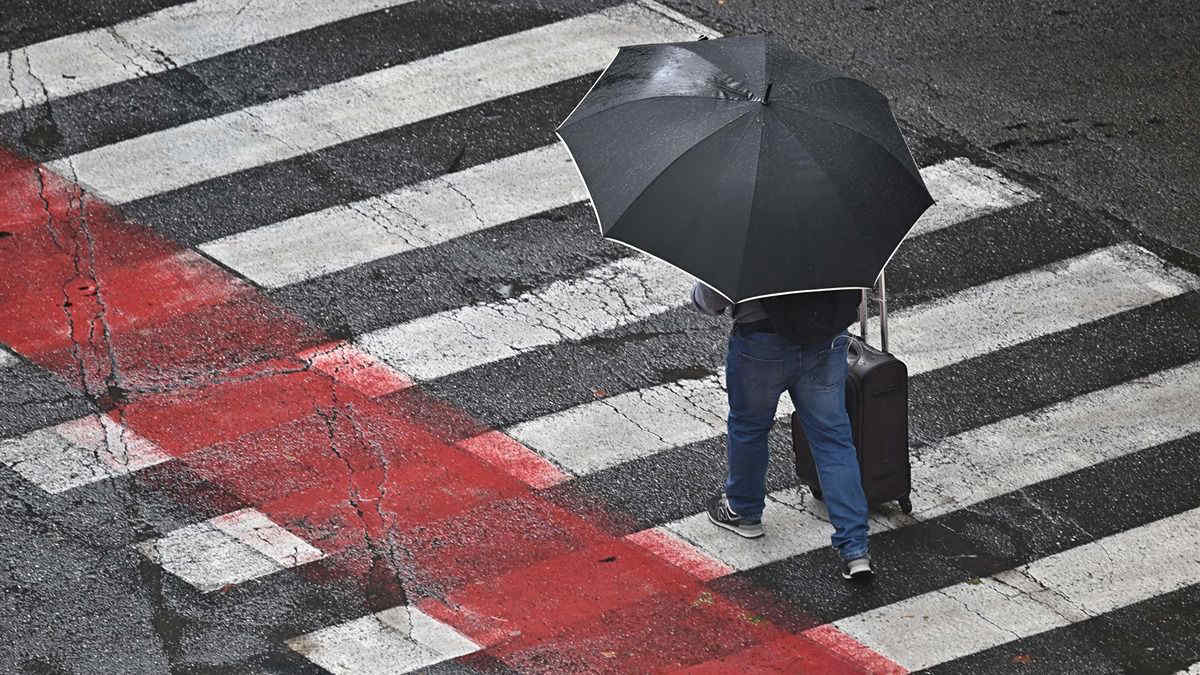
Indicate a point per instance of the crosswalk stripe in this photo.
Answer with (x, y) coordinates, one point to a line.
(982, 463)
(157, 42)
(1054, 591)
(78, 452)
(503, 190)
(421, 215)
(565, 310)
(609, 296)
(964, 191)
(397, 640)
(1046, 300)
(976, 321)
(365, 104)
(229, 549)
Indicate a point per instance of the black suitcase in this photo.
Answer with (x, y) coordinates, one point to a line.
(877, 400)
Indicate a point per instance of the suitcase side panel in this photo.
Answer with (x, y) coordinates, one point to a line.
(877, 399)
(877, 404)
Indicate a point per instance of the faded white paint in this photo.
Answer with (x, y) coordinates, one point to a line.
(414, 217)
(1046, 300)
(616, 429)
(1053, 592)
(78, 452)
(398, 640)
(365, 104)
(983, 463)
(166, 39)
(964, 191)
(229, 549)
(497, 192)
(973, 322)
(607, 297)
(8, 358)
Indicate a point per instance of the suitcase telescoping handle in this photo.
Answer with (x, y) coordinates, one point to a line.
(883, 321)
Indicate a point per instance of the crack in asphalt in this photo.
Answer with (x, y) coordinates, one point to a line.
(41, 190)
(147, 51)
(241, 9)
(470, 202)
(389, 552)
(1028, 574)
(12, 77)
(137, 69)
(384, 222)
(943, 592)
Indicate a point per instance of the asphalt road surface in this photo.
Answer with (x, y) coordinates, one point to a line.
(311, 359)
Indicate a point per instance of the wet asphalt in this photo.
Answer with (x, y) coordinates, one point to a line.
(1091, 103)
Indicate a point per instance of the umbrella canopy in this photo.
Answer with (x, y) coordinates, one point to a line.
(749, 166)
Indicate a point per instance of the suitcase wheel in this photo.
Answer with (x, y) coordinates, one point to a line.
(905, 504)
(816, 492)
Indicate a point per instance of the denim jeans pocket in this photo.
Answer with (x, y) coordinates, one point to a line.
(745, 354)
(826, 364)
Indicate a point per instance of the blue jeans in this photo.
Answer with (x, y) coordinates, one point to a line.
(761, 366)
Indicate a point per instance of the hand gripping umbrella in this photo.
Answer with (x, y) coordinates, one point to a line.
(751, 167)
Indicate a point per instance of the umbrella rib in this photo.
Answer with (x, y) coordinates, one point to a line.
(654, 98)
(672, 163)
(855, 131)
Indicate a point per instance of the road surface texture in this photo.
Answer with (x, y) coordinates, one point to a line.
(312, 360)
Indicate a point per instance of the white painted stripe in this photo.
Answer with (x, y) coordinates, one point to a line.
(78, 452)
(984, 463)
(365, 104)
(1053, 592)
(8, 358)
(978, 320)
(1017, 308)
(1193, 670)
(166, 39)
(490, 194)
(964, 191)
(229, 549)
(422, 215)
(397, 640)
(607, 297)
(609, 431)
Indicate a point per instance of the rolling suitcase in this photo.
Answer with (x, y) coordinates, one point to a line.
(877, 401)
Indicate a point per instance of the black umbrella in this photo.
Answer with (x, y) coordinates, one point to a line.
(746, 165)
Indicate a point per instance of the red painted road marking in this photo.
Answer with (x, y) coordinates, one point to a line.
(500, 450)
(347, 454)
(679, 553)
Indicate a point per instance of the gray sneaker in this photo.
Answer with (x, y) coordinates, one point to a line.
(721, 515)
(858, 570)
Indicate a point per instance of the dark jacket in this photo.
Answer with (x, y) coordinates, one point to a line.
(803, 318)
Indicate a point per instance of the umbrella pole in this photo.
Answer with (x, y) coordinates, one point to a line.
(862, 317)
(883, 328)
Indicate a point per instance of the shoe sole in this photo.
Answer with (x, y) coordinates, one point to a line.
(860, 576)
(735, 530)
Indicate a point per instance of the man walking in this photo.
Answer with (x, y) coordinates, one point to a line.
(794, 343)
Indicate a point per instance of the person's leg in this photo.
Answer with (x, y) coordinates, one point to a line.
(820, 399)
(756, 371)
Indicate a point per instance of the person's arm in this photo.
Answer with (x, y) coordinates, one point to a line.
(707, 300)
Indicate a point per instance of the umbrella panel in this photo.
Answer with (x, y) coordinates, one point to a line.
(694, 214)
(627, 148)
